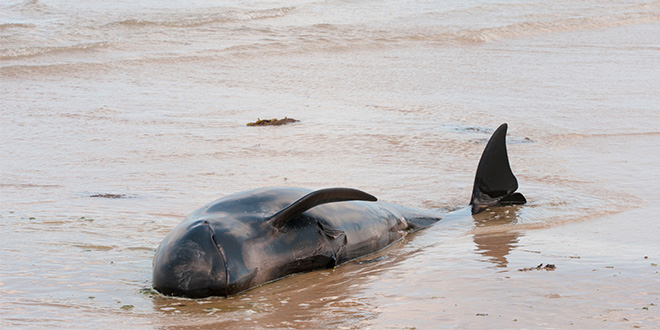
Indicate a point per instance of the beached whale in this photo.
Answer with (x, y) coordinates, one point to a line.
(247, 239)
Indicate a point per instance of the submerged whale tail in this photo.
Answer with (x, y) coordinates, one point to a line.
(494, 183)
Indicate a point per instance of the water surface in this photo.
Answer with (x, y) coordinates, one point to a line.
(149, 100)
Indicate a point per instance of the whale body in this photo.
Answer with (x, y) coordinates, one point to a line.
(250, 238)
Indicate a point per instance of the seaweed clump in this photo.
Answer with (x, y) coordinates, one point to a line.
(548, 267)
(272, 122)
(111, 196)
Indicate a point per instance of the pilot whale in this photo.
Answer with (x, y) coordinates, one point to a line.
(250, 238)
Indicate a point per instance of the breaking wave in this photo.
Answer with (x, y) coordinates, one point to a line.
(24, 52)
(207, 18)
(32, 5)
(322, 37)
(563, 25)
(16, 26)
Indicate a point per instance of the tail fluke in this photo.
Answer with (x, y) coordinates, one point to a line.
(494, 183)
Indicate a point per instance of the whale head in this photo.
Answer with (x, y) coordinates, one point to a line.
(188, 263)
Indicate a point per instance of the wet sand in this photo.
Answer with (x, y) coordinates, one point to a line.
(107, 145)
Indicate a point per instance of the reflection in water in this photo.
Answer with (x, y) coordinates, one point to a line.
(338, 297)
(320, 299)
(496, 245)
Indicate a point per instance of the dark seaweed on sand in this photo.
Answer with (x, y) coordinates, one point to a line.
(272, 122)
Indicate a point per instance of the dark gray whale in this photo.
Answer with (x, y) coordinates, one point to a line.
(247, 239)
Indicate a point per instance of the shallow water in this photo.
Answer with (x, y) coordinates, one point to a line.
(149, 101)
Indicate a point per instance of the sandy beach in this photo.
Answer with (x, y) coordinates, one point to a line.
(119, 119)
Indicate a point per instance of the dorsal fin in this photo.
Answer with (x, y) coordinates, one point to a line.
(494, 183)
(318, 197)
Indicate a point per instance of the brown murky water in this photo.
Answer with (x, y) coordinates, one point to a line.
(149, 102)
